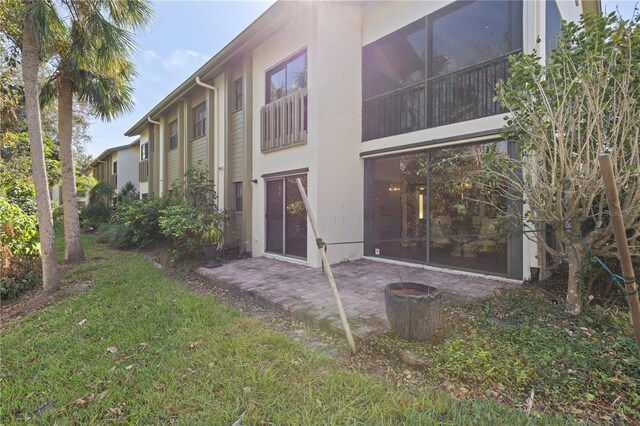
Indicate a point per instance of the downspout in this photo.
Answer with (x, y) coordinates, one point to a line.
(216, 150)
(160, 156)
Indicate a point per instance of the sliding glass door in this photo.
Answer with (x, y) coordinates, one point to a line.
(286, 217)
(426, 208)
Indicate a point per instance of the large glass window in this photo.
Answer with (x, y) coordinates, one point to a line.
(553, 26)
(468, 33)
(467, 229)
(394, 61)
(399, 207)
(286, 221)
(287, 77)
(426, 208)
(439, 70)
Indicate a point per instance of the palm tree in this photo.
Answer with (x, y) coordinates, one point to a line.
(36, 29)
(93, 63)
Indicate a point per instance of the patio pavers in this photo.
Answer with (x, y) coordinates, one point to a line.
(304, 291)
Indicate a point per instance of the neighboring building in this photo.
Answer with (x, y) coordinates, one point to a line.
(119, 165)
(56, 197)
(380, 107)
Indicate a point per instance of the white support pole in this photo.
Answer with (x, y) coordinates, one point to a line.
(325, 261)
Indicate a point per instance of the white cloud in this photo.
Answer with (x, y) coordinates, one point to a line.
(181, 59)
(149, 55)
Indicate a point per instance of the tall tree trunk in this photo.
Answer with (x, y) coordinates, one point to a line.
(30, 64)
(73, 252)
(574, 302)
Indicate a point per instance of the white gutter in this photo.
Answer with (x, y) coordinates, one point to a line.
(160, 153)
(216, 149)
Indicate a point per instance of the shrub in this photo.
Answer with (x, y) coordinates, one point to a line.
(58, 216)
(141, 218)
(19, 249)
(95, 214)
(18, 230)
(102, 192)
(183, 225)
(17, 273)
(115, 235)
(128, 193)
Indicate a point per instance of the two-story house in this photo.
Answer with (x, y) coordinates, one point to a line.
(382, 108)
(119, 165)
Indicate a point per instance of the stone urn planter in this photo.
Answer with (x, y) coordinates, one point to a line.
(413, 309)
(210, 251)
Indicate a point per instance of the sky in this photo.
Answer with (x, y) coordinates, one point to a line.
(182, 37)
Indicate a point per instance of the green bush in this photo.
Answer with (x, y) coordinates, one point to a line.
(128, 193)
(101, 192)
(18, 230)
(95, 214)
(19, 249)
(183, 225)
(141, 218)
(58, 216)
(115, 235)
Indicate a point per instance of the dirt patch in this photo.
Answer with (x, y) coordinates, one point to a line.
(37, 299)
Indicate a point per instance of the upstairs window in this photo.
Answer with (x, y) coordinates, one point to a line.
(553, 24)
(468, 33)
(287, 77)
(237, 94)
(395, 61)
(199, 120)
(115, 167)
(173, 135)
(144, 151)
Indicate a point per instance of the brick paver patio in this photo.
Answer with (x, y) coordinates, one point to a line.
(305, 292)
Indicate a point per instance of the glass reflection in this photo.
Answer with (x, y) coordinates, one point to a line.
(399, 197)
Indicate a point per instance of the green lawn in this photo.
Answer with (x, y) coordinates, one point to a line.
(184, 357)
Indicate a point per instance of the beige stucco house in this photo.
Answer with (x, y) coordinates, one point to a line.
(380, 107)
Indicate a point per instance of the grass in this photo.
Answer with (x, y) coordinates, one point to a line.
(520, 342)
(184, 357)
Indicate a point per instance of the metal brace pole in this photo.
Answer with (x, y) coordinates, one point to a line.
(325, 261)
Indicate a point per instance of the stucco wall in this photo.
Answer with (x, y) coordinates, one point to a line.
(291, 39)
(128, 166)
(338, 90)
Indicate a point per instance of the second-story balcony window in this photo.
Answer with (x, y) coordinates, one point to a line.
(393, 79)
(287, 77)
(284, 117)
(441, 69)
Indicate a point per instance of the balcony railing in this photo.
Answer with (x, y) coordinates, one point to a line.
(468, 93)
(394, 113)
(462, 95)
(283, 122)
(143, 170)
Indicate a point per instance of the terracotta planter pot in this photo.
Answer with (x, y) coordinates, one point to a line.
(413, 309)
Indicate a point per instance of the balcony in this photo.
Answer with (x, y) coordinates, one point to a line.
(143, 170)
(462, 95)
(283, 122)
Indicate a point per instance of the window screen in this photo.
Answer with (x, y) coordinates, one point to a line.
(467, 33)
